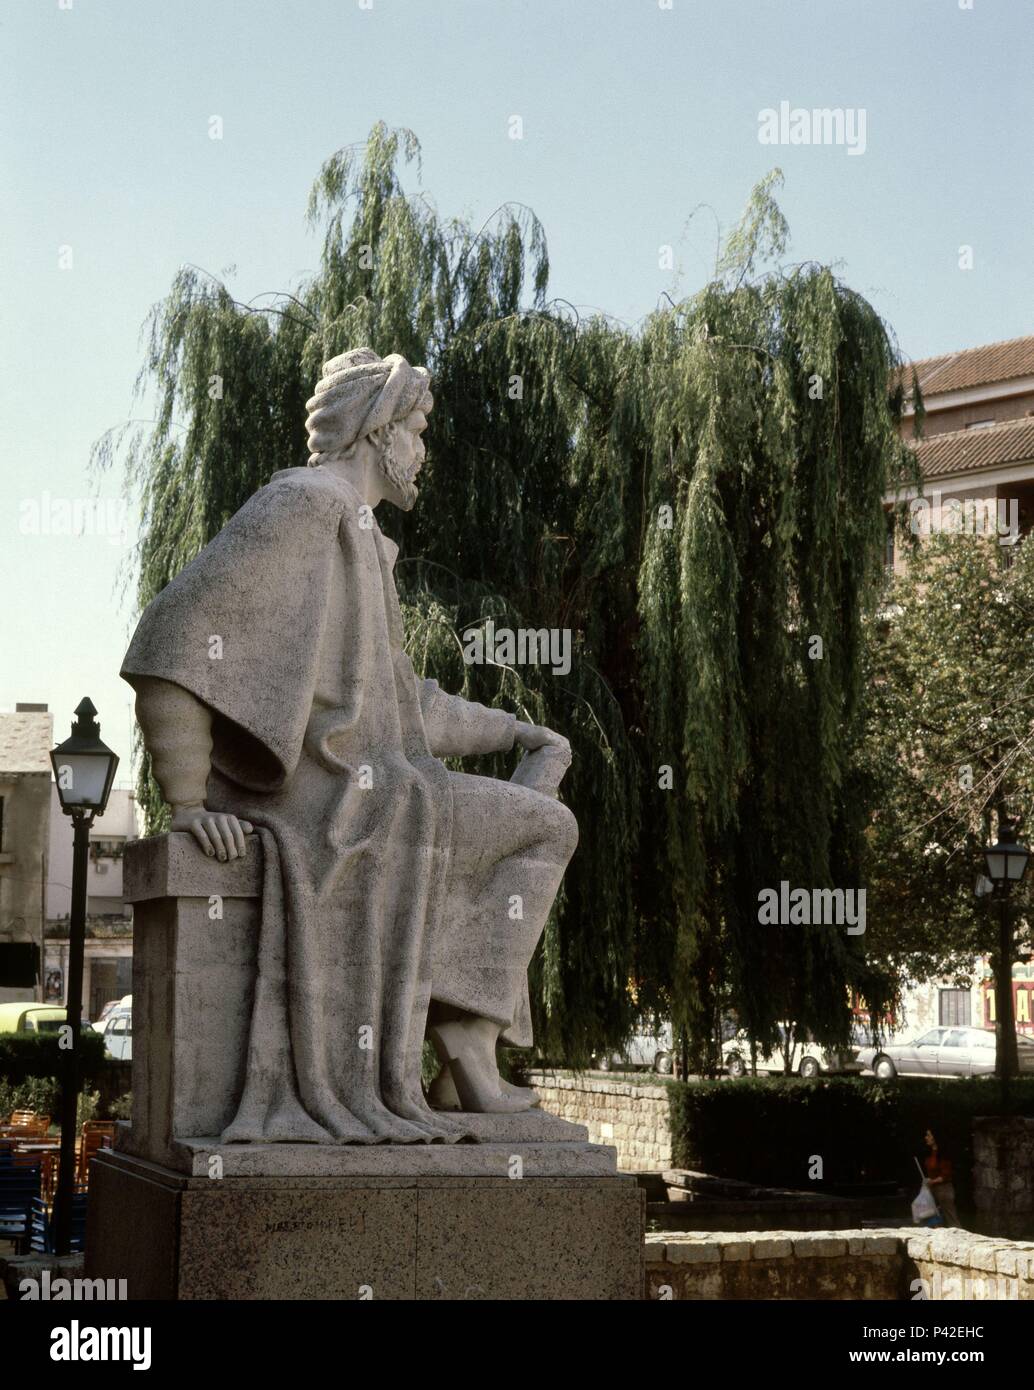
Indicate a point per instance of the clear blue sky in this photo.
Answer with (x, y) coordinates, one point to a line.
(633, 115)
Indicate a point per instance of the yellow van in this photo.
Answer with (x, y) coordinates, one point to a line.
(27, 1017)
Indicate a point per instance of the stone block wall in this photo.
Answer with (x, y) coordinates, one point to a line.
(1003, 1175)
(631, 1117)
(775, 1265)
(956, 1264)
(892, 1264)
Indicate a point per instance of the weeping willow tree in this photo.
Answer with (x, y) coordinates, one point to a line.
(698, 501)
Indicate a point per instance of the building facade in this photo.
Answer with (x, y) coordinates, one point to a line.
(107, 968)
(976, 460)
(976, 457)
(26, 738)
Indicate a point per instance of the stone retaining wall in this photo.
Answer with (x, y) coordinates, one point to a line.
(892, 1264)
(631, 1117)
(1003, 1175)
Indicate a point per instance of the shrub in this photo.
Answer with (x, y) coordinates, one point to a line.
(43, 1094)
(86, 1107)
(27, 1055)
(122, 1109)
(768, 1131)
(39, 1093)
(513, 1065)
(31, 1065)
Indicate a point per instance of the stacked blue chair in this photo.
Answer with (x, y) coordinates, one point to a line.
(19, 1190)
(41, 1231)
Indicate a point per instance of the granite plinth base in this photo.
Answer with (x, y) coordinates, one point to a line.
(379, 1235)
(546, 1146)
(543, 1145)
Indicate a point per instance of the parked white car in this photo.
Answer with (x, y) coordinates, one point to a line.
(945, 1052)
(126, 1002)
(807, 1058)
(118, 1034)
(645, 1049)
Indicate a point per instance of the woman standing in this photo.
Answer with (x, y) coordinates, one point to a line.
(940, 1180)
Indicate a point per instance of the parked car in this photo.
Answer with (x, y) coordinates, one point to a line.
(126, 1002)
(945, 1052)
(645, 1049)
(807, 1057)
(118, 1034)
(21, 1017)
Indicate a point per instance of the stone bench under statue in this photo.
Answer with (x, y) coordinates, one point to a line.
(331, 895)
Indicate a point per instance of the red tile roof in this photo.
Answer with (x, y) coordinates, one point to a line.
(980, 366)
(967, 451)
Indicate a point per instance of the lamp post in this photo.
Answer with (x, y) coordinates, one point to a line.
(84, 769)
(1007, 862)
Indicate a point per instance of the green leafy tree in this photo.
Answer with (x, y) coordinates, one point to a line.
(948, 752)
(696, 500)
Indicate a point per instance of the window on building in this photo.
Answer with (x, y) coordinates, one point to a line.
(1, 825)
(19, 965)
(108, 848)
(953, 1008)
(888, 550)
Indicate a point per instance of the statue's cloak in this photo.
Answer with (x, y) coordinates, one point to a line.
(287, 627)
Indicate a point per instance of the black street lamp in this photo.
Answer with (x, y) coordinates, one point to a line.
(84, 769)
(1007, 862)
(1006, 859)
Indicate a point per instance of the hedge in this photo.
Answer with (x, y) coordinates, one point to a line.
(768, 1131)
(31, 1065)
(26, 1056)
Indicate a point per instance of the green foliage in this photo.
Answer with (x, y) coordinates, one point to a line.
(513, 1066)
(86, 1107)
(31, 1065)
(863, 1131)
(39, 1093)
(28, 1056)
(122, 1108)
(43, 1095)
(949, 743)
(554, 446)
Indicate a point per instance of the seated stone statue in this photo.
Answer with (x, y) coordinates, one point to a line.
(400, 900)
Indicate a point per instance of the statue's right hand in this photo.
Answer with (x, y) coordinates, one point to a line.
(533, 736)
(220, 836)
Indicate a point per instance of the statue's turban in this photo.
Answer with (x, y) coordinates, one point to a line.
(360, 392)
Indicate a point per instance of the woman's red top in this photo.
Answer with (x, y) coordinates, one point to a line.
(937, 1167)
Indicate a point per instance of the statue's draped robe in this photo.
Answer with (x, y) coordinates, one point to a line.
(287, 627)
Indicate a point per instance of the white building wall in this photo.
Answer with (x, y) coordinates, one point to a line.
(103, 876)
(921, 1005)
(107, 963)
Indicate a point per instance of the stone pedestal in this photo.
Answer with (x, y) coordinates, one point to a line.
(171, 1236)
(530, 1211)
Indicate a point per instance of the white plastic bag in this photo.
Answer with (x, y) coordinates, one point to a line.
(925, 1204)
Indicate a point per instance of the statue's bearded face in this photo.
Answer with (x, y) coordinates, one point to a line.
(402, 458)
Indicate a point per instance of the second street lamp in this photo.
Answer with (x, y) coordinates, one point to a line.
(1007, 862)
(84, 769)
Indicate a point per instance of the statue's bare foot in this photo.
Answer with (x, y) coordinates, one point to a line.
(525, 1092)
(442, 1093)
(484, 1097)
(467, 1048)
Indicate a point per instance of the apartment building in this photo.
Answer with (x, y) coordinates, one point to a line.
(976, 459)
(26, 738)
